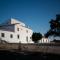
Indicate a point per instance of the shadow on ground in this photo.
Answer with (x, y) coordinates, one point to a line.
(6, 55)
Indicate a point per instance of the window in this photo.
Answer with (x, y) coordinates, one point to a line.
(18, 36)
(2, 34)
(17, 29)
(27, 31)
(43, 40)
(11, 36)
(30, 37)
(27, 38)
(46, 40)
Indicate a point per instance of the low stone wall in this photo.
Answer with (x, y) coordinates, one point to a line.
(45, 48)
(8, 46)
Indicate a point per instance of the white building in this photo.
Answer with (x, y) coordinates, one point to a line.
(44, 40)
(14, 31)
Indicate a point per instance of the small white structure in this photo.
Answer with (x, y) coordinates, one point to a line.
(44, 40)
(14, 31)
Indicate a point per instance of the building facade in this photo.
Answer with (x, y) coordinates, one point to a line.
(44, 40)
(14, 31)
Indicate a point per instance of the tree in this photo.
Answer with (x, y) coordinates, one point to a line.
(36, 37)
(54, 27)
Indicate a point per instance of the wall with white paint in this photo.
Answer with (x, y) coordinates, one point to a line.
(18, 29)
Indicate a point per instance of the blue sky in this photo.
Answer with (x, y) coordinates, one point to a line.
(35, 13)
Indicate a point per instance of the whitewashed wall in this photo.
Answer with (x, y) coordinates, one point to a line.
(44, 40)
(22, 37)
(23, 33)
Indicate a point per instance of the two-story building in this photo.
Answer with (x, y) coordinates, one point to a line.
(14, 31)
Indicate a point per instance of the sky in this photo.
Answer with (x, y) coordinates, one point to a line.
(34, 13)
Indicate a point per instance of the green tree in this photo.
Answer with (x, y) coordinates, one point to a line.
(54, 27)
(36, 37)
